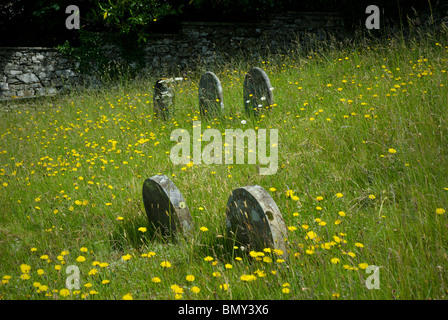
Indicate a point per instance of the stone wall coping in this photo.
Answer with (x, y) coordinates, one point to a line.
(29, 48)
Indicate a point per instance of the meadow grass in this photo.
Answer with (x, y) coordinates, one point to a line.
(361, 181)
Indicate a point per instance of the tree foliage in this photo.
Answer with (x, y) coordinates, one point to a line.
(134, 19)
(134, 16)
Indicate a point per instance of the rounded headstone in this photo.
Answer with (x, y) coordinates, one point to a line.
(257, 91)
(165, 206)
(163, 99)
(210, 95)
(253, 218)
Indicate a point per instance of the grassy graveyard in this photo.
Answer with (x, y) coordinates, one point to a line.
(361, 181)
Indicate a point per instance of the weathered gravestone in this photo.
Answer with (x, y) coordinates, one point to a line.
(165, 206)
(163, 97)
(257, 91)
(255, 220)
(210, 95)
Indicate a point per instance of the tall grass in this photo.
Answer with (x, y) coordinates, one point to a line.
(363, 145)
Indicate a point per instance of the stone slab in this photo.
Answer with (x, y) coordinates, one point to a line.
(163, 99)
(165, 206)
(252, 216)
(211, 101)
(257, 91)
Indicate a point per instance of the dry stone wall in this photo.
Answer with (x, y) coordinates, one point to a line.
(27, 72)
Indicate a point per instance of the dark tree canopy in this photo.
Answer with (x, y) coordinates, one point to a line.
(42, 22)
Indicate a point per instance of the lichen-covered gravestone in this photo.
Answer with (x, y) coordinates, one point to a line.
(165, 206)
(254, 219)
(163, 97)
(210, 95)
(257, 91)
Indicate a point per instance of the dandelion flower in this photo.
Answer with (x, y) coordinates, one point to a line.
(25, 268)
(25, 276)
(440, 211)
(311, 235)
(228, 266)
(127, 296)
(195, 289)
(156, 280)
(126, 257)
(81, 259)
(203, 229)
(224, 286)
(165, 264)
(339, 195)
(64, 292)
(335, 260)
(142, 229)
(371, 197)
(176, 289)
(208, 258)
(272, 189)
(363, 265)
(392, 150)
(189, 277)
(248, 277)
(93, 272)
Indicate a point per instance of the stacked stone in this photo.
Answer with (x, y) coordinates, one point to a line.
(27, 72)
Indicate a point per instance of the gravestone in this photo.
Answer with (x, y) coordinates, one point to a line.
(163, 98)
(165, 206)
(253, 217)
(257, 91)
(210, 95)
